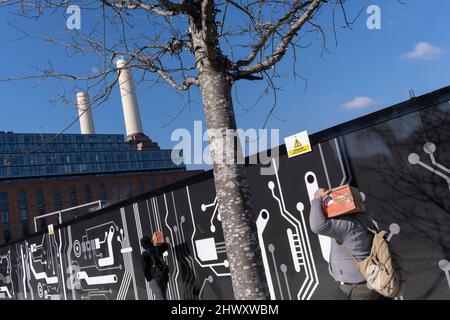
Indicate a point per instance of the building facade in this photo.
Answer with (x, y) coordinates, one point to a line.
(42, 173)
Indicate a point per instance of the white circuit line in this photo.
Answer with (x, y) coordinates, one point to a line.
(158, 224)
(440, 166)
(82, 275)
(5, 289)
(261, 224)
(312, 257)
(188, 258)
(24, 272)
(178, 229)
(213, 228)
(340, 162)
(276, 272)
(207, 279)
(287, 285)
(69, 259)
(149, 214)
(109, 260)
(51, 254)
(157, 216)
(61, 265)
(175, 262)
(210, 204)
(434, 171)
(127, 256)
(324, 166)
(193, 244)
(124, 285)
(139, 232)
(350, 177)
(28, 253)
(42, 275)
(307, 252)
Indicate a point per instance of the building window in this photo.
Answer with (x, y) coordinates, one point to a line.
(57, 198)
(140, 186)
(115, 192)
(129, 190)
(88, 193)
(40, 205)
(73, 196)
(102, 191)
(23, 209)
(40, 201)
(152, 184)
(5, 215)
(73, 200)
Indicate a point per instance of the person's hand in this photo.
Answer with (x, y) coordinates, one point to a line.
(321, 193)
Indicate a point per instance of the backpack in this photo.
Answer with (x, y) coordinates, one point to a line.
(383, 268)
(158, 269)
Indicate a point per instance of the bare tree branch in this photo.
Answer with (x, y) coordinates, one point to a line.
(271, 29)
(282, 46)
(139, 4)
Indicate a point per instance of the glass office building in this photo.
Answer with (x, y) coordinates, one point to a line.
(24, 155)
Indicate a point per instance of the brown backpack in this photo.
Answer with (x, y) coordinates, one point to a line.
(383, 268)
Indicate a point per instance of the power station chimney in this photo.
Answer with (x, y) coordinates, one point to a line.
(85, 113)
(130, 106)
(133, 124)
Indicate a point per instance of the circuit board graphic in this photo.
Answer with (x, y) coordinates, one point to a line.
(400, 165)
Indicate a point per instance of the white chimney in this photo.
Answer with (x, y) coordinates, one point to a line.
(130, 106)
(85, 113)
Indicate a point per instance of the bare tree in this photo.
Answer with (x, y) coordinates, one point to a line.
(205, 43)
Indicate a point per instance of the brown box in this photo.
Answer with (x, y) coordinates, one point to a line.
(158, 238)
(343, 200)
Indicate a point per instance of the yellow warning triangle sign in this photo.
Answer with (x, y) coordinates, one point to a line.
(297, 144)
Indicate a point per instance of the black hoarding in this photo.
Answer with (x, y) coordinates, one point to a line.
(399, 158)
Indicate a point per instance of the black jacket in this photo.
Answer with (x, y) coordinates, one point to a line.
(150, 253)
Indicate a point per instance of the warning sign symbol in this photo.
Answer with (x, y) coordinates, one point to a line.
(297, 144)
(51, 229)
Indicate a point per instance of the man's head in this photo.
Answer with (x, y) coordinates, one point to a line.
(146, 242)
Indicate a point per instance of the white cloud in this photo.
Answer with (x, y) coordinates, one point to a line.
(359, 103)
(423, 51)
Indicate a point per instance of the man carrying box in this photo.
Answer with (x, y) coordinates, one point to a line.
(156, 271)
(346, 232)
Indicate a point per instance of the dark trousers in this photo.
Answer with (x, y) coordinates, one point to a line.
(159, 289)
(358, 291)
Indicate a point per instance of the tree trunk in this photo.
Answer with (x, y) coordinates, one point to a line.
(233, 192)
(232, 189)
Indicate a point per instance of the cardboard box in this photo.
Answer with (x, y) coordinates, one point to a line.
(343, 200)
(158, 238)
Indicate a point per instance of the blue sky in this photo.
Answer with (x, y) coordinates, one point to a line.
(367, 71)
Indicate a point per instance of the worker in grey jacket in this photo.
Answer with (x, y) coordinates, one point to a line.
(348, 231)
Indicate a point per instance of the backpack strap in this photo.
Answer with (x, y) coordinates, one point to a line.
(365, 224)
(349, 252)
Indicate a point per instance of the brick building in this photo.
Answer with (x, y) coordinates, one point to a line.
(38, 176)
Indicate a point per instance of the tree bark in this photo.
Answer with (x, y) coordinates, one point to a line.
(232, 189)
(233, 192)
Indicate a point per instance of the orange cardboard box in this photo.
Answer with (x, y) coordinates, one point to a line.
(343, 200)
(158, 238)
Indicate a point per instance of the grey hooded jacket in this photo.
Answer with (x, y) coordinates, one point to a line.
(351, 233)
